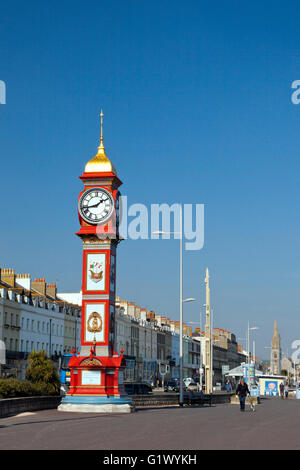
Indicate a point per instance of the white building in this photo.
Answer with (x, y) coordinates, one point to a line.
(31, 318)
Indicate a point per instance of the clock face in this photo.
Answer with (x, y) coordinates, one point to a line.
(96, 206)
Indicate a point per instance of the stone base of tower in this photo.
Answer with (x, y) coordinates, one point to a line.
(94, 404)
(96, 385)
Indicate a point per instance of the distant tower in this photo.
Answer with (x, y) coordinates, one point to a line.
(275, 352)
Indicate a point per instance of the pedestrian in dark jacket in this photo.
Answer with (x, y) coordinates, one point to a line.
(242, 391)
(281, 388)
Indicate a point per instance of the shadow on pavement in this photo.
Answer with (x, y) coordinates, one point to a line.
(102, 415)
(171, 407)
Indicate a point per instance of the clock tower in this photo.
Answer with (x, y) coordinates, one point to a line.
(97, 372)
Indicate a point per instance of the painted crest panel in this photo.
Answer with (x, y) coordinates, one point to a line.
(94, 322)
(95, 271)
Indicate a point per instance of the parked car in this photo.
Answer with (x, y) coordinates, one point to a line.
(192, 386)
(173, 385)
(137, 388)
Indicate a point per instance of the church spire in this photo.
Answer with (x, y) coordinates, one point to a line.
(275, 333)
(275, 351)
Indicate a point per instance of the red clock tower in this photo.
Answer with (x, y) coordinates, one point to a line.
(97, 372)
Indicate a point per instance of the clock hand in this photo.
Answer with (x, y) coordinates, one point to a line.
(95, 205)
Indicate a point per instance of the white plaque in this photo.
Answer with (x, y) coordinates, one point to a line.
(95, 274)
(91, 377)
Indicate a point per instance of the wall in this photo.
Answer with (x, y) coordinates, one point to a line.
(13, 406)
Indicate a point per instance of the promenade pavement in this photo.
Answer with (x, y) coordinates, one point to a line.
(274, 425)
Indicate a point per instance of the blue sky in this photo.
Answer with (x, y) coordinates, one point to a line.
(197, 103)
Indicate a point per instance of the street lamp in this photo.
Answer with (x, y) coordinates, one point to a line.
(248, 371)
(181, 301)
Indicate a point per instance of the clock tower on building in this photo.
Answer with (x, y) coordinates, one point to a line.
(97, 372)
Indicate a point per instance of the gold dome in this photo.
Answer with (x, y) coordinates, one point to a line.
(100, 163)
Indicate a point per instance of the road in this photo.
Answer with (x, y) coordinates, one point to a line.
(274, 425)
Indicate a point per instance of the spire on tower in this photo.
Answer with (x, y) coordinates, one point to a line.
(101, 146)
(100, 163)
(275, 333)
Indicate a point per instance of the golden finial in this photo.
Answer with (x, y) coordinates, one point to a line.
(100, 163)
(101, 137)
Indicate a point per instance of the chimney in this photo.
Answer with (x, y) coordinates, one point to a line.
(8, 276)
(143, 314)
(39, 285)
(189, 331)
(150, 315)
(51, 290)
(23, 280)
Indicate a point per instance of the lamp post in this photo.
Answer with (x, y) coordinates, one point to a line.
(211, 350)
(181, 301)
(248, 371)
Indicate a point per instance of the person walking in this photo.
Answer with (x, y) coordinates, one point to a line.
(228, 386)
(286, 390)
(242, 391)
(281, 388)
